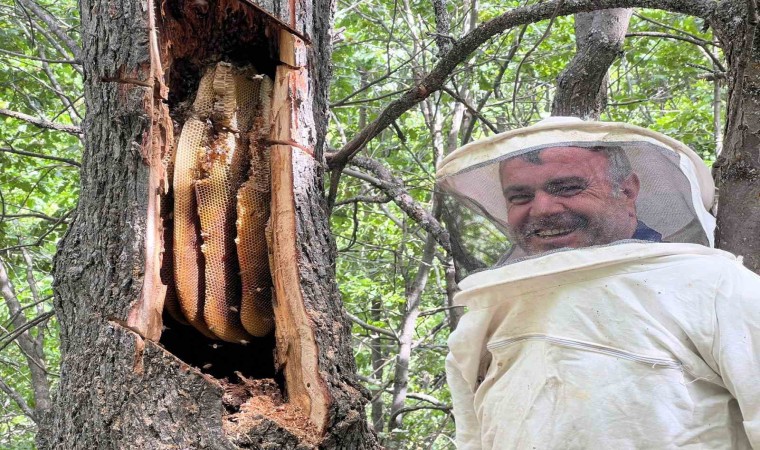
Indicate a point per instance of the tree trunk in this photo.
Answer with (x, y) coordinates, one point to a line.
(737, 170)
(129, 379)
(582, 86)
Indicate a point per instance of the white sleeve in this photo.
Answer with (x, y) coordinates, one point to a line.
(467, 426)
(736, 347)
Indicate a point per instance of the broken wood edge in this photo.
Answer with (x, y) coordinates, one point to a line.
(145, 315)
(297, 350)
(297, 353)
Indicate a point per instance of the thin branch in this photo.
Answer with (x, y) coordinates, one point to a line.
(364, 199)
(355, 230)
(547, 31)
(407, 409)
(42, 123)
(53, 41)
(461, 50)
(670, 27)
(50, 21)
(28, 215)
(472, 110)
(32, 282)
(371, 327)
(68, 103)
(393, 187)
(37, 58)
(39, 240)
(434, 311)
(21, 311)
(427, 398)
(40, 156)
(699, 42)
(8, 338)
(19, 399)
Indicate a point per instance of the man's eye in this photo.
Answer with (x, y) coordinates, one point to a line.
(519, 199)
(569, 190)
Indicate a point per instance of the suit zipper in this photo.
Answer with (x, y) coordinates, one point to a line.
(569, 343)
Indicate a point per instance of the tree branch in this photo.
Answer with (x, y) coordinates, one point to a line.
(407, 409)
(470, 42)
(18, 399)
(364, 199)
(39, 240)
(50, 21)
(699, 42)
(35, 215)
(470, 108)
(393, 187)
(582, 85)
(40, 156)
(37, 58)
(42, 123)
(371, 327)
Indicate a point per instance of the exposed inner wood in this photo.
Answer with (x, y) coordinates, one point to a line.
(297, 351)
(145, 315)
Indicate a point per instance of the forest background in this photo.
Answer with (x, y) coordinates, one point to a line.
(395, 279)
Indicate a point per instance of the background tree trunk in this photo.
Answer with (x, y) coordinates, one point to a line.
(737, 170)
(119, 387)
(582, 86)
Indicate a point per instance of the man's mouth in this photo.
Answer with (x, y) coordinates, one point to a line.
(553, 232)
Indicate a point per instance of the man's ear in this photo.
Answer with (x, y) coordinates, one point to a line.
(630, 187)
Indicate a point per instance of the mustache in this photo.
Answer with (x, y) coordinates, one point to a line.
(555, 221)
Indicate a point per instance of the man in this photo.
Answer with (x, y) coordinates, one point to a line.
(601, 332)
(572, 197)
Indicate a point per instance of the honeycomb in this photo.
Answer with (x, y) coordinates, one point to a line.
(171, 303)
(221, 205)
(189, 264)
(253, 200)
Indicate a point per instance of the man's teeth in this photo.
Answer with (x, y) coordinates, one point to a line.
(553, 232)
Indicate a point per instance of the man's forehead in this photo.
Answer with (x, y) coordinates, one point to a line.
(553, 160)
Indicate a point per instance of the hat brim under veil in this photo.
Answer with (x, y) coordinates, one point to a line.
(676, 189)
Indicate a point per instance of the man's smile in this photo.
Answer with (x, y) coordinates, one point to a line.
(555, 232)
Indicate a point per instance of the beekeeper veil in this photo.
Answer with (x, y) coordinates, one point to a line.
(565, 183)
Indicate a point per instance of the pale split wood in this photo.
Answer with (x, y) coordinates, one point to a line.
(297, 351)
(145, 314)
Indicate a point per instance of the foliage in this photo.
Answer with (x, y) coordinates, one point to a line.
(36, 195)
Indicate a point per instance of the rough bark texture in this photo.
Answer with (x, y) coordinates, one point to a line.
(119, 388)
(582, 86)
(737, 171)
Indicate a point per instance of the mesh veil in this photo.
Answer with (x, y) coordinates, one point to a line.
(568, 183)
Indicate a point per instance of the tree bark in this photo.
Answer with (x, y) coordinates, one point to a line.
(120, 387)
(737, 170)
(582, 86)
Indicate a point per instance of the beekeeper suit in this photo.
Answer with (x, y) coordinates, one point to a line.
(612, 323)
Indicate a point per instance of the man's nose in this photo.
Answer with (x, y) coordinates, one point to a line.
(545, 204)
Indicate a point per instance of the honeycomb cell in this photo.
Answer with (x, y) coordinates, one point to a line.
(221, 201)
(188, 259)
(253, 205)
(171, 303)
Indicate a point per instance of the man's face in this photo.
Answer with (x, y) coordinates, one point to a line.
(568, 200)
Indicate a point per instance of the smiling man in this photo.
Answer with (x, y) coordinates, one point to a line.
(596, 331)
(571, 197)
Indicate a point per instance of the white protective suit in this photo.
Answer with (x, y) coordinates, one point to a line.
(630, 345)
